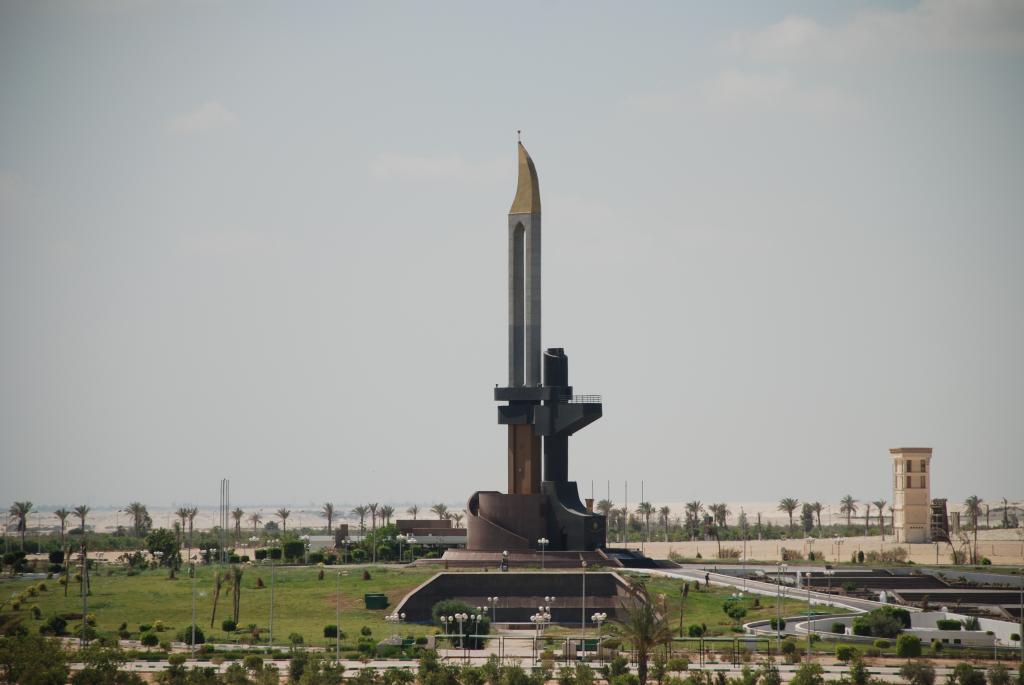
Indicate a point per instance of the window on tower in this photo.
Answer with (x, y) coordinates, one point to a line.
(910, 466)
(922, 482)
(924, 466)
(908, 483)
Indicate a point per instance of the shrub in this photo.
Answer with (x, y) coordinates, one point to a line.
(228, 625)
(846, 652)
(253, 663)
(908, 646)
(998, 675)
(149, 640)
(274, 553)
(839, 628)
(808, 673)
(186, 635)
(295, 639)
(145, 627)
(965, 674)
(734, 609)
(679, 663)
(948, 624)
(1015, 637)
(365, 630)
(56, 557)
(294, 549)
(859, 674)
(886, 621)
(260, 555)
(860, 556)
(37, 613)
(882, 644)
(316, 557)
(788, 647)
(776, 624)
(849, 586)
(971, 623)
(158, 626)
(872, 651)
(695, 630)
(55, 625)
(331, 630)
(918, 673)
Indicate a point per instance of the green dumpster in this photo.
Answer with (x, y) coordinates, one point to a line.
(375, 600)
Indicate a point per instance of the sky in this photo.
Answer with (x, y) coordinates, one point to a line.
(266, 242)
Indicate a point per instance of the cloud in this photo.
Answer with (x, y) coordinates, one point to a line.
(734, 90)
(206, 117)
(929, 27)
(448, 167)
(742, 91)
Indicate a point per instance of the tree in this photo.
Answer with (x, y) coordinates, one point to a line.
(663, 513)
(62, 514)
(848, 506)
(880, 506)
(720, 512)
(808, 673)
(141, 522)
(327, 512)
(19, 512)
(816, 508)
(693, 511)
(440, 510)
(807, 517)
(361, 511)
(386, 512)
(81, 512)
(182, 513)
(372, 508)
(867, 517)
(192, 511)
(255, 518)
(973, 507)
(283, 514)
(237, 515)
(236, 591)
(918, 673)
(218, 583)
(645, 509)
(32, 660)
(645, 628)
(788, 505)
(164, 545)
(413, 511)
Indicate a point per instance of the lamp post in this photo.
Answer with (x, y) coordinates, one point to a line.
(839, 545)
(543, 542)
(597, 618)
(305, 549)
(412, 548)
(810, 620)
(778, 604)
(401, 539)
(492, 602)
(192, 569)
(273, 582)
(583, 608)
(346, 542)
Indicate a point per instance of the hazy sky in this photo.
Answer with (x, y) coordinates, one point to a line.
(266, 241)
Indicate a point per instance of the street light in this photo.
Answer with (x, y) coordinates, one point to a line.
(273, 582)
(598, 618)
(412, 548)
(193, 570)
(492, 602)
(583, 608)
(305, 546)
(778, 604)
(346, 542)
(543, 542)
(839, 544)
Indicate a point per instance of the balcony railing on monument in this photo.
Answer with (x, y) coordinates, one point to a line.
(580, 399)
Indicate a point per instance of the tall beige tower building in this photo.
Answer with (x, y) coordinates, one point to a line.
(911, 493)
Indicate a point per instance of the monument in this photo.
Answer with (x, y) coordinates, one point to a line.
(542, 508)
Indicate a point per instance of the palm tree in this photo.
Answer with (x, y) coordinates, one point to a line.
(237, 514)
(283, 514)
(693, 512)
(457, 520)
(139, 514)
(82, 512)
(664, 512)
(361, 511)
(20, 511)
(192, 512)
(816, 508)
(386, 512)
(182, 513)
(646, 509)
(645, 627)
(62, 514)
(880, 506)
(720, 513)
(440, 510)
(973, 506)
(848, 506)
(255, 518)
(413, 511)
(372, 508)
(788, 505)
(328, 513)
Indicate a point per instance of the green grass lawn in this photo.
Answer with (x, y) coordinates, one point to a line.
(704, 606)
(302, 604)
